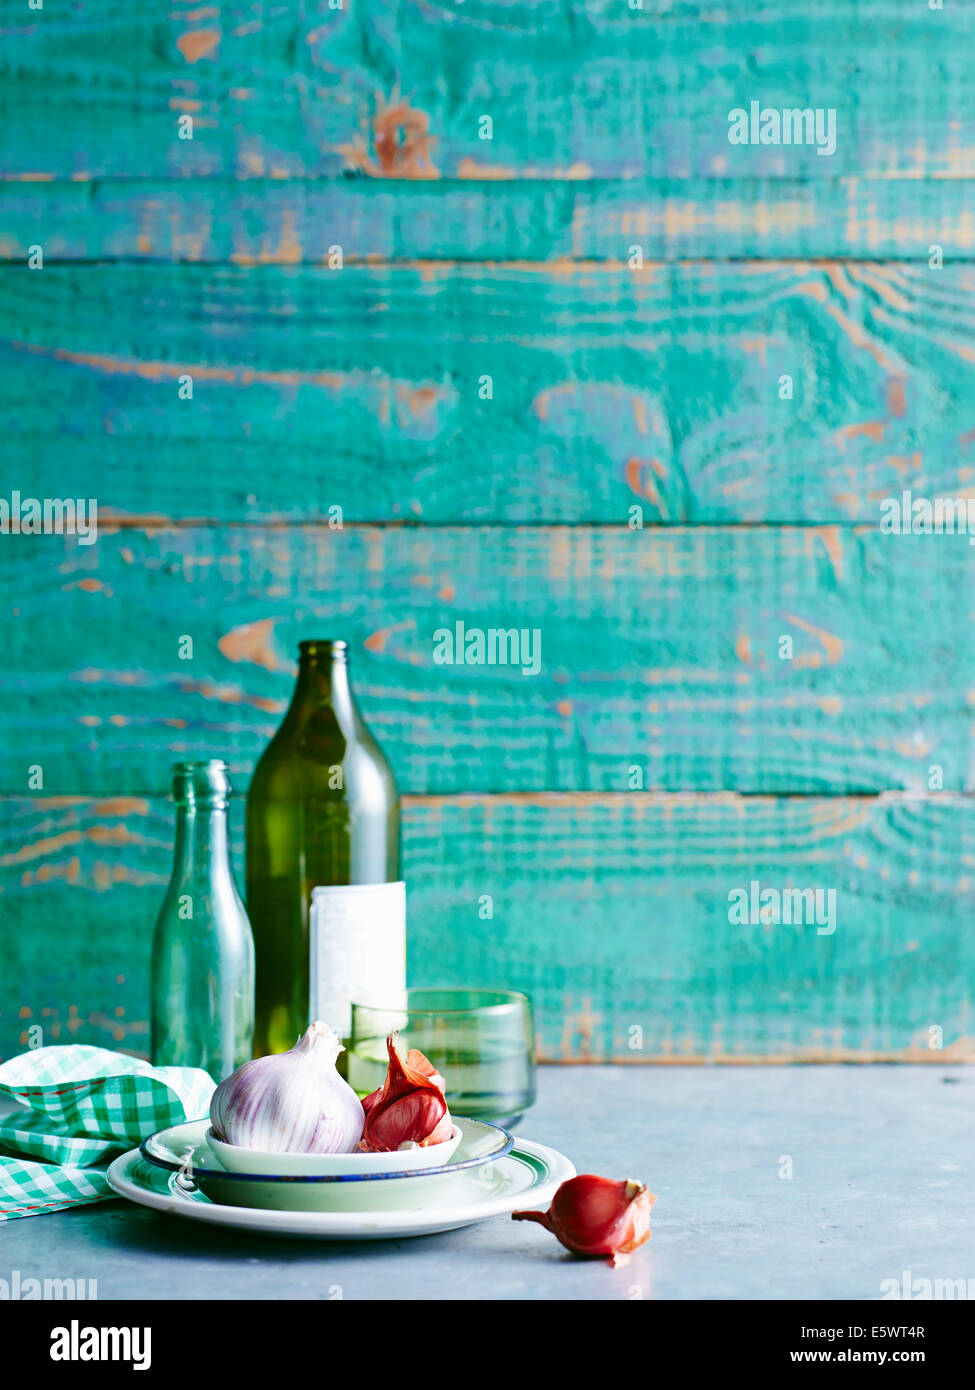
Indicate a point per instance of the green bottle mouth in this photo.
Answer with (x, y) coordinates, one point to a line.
(322, 646)
(205, 783)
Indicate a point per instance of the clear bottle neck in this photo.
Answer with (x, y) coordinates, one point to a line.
(201, 850)
(202, 794)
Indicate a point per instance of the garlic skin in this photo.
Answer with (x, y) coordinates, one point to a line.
(409, 1108)
(597, 1217)
(292, 1102)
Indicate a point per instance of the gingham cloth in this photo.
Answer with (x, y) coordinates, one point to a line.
(86, 1105)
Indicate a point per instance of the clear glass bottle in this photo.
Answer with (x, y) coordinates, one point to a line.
(202, 948)
(323, 861)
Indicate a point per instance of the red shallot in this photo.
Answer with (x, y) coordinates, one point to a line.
(597, 1217)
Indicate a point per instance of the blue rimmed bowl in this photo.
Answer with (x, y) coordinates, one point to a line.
(184, 1151)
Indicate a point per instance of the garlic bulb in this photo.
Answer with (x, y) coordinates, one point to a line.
(293, 1102)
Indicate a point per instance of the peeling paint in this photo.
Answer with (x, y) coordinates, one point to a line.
(253, 642)
(198, 43)
(401, 145)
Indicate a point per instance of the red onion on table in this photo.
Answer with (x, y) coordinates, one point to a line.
(597, 1217)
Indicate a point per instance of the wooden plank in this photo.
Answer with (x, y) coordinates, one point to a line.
(610, 388)
(611, 910)
(581, 89)
(286, 222)
(658, 650)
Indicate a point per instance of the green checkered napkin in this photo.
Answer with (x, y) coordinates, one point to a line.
(86, 1104)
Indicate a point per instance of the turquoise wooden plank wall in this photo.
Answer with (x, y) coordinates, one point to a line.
(635, 287)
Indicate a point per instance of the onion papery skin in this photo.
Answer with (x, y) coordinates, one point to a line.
(409, 1108)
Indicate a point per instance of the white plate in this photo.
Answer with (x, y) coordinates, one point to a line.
(527, 1177)
(260, 1163)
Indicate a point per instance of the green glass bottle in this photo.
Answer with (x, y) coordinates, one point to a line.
(202, 948)
(323, 861)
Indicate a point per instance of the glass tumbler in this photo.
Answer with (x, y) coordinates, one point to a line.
(480, 1040)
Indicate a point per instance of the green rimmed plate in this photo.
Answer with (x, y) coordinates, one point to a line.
(527, 1177)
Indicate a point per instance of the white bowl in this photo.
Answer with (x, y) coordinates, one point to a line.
(188, 1156)
(260, 1163)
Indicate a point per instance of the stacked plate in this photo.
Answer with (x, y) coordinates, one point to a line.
(481, 1171)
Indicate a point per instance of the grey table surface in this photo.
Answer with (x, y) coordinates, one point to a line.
(882, 1165)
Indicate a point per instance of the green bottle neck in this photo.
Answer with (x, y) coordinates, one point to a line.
(323, 683)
